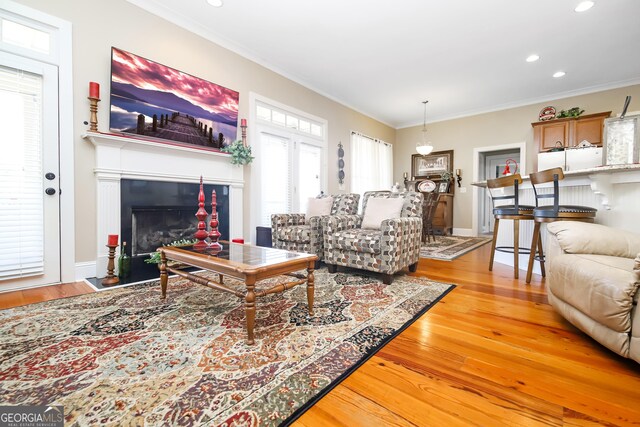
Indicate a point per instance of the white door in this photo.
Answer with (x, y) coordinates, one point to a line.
(309, 173)
(29, 181)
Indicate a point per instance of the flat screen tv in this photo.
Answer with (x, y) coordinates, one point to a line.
(153, 100)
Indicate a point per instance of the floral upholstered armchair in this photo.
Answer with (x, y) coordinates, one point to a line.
(294, 232)
(385, 246)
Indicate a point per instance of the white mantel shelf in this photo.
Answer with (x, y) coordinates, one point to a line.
(601, 180)
(120, 157)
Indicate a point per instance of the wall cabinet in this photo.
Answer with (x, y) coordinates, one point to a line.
(569, 132)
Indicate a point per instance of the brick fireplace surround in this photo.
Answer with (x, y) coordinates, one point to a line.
(122, 157)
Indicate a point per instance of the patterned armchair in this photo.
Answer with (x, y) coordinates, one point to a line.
(293, 233)
(388, 250)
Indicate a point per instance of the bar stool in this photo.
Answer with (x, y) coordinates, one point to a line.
(515, 212)
(554, 212)
(429, 206)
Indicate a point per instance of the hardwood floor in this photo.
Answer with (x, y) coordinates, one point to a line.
(492, 352)
(45, 293)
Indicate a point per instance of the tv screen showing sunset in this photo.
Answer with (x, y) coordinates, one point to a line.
(153, 100)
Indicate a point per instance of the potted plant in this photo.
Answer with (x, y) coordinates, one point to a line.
(240, 153)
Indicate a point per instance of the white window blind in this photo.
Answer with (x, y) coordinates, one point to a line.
(21, 184)
(275, 177)
(371, 164)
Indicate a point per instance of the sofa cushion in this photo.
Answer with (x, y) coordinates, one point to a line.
(318, 207)
(600, 286)
(585, 238)
(380, 208)
(294, 233)
(358, 240)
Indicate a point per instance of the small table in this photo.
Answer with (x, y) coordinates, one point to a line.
(244, 262)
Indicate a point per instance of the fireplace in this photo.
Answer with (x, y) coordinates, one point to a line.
(157, 177)
(156, 213)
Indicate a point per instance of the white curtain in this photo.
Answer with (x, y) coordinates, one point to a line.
(371, 164)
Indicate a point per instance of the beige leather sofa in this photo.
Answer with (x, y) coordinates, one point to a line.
(592, 280)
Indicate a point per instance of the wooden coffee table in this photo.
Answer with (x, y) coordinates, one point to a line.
(244, 262)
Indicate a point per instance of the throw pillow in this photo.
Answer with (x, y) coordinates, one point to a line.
(379, 209)
(318, 207)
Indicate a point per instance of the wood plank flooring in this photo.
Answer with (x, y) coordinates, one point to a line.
(492, 352)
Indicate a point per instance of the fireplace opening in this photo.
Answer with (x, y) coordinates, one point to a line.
(177, 224)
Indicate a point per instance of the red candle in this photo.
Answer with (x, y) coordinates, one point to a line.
(237, 240)
(113, 240)
(94, 92)
(243, 122)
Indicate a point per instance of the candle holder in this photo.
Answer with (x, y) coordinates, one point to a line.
(214, 234)
(244, 134)
(111, 278)
(93, 108)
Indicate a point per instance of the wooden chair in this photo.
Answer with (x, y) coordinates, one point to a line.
(429, 207)
(514, 211)
(554, 212)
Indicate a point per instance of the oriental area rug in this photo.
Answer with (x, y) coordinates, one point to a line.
(126, 357)
(448, 248)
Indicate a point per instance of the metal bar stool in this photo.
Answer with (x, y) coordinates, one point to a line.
(554, 212)
(515, 212)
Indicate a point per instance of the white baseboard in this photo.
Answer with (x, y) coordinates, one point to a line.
(523, 262)
(467, 232)
(85, 269)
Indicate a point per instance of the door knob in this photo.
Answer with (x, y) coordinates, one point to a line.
(50, 176)
(50, 191)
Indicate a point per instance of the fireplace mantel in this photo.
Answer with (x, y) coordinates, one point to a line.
(122, 157)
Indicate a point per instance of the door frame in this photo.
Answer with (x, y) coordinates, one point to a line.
(64, 62)
(477, 165)
(295, 137)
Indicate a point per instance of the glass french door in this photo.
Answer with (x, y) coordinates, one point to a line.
(29, 173)
(290, 171)
(309, 166)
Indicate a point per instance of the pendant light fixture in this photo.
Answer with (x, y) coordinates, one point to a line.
(424, 147)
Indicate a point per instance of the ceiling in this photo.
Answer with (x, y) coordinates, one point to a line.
(383, 58)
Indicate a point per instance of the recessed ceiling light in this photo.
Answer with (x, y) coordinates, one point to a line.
(215, 3)
(533, 58)
(585, 5)
(559, 74)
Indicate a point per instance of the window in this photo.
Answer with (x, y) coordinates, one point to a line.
(371, 164)
(277, 116)
(290, 167)
(24, 36)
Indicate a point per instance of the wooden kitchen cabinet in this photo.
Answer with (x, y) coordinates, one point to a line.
(569, 131)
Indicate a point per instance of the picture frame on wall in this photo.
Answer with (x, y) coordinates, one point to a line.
(432, 165)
